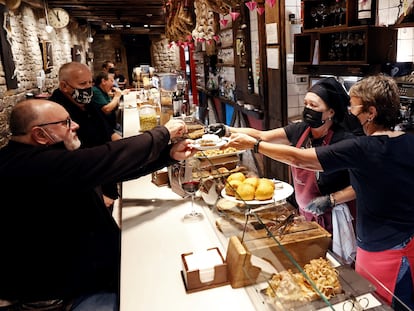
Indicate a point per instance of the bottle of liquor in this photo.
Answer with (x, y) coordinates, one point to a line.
(250, 82)
(177, 104)
(366, 12)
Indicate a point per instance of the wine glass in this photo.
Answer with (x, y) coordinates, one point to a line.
(314, 15)
(190, 184)
(321, 11)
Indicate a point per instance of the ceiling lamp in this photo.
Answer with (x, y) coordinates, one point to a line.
(90, 38)
(48, 27)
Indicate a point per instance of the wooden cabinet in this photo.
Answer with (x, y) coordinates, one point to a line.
(328, 14)
(332, 42)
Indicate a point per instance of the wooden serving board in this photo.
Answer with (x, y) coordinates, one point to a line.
(298, 246)
(233, 218)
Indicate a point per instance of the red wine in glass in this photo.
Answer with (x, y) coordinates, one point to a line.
(190, 187)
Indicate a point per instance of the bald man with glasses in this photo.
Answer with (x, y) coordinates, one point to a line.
(60, 245)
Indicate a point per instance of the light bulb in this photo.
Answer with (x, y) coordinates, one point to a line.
(48, 28)
(90, 39)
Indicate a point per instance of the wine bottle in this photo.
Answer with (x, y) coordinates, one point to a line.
(177, 104)
(250, 82)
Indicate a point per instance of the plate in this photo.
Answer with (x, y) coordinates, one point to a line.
(283, 190)
(221, 143)
(221, 155)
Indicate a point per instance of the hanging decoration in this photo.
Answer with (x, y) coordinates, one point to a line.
(180, 19)
(207, 25)
(234, 15)
(89, 38)
(224, 22)
(271, 3)
(251, 5)
(260, 10)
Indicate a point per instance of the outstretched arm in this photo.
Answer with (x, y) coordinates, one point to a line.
(303, 158)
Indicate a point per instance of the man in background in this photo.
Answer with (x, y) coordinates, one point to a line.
(74, 94)
(109, 67)
(107, 97)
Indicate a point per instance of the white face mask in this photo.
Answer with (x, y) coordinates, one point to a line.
(71, 141)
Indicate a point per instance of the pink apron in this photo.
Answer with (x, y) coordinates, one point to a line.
(306, 186)
(381, 268)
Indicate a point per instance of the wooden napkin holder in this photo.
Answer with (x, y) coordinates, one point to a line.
(240, 270)
(192, 280)
(160, 178)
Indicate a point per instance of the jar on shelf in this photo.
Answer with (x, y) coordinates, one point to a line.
(147, 118)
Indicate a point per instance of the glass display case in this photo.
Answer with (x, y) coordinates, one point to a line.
(284, 261)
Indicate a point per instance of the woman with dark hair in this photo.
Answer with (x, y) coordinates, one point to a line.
(325, 108)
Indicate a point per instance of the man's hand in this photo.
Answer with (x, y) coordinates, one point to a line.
(182, 150)
(177, 128)
(108, 201)
(319, 205)
(219, 129)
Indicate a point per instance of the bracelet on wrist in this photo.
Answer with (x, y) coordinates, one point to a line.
(227, 131)
(256, 145)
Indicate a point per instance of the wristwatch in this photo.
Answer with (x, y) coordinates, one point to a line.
(256, 145)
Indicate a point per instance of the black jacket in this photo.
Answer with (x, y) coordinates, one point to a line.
(94, 129)
(57, 238)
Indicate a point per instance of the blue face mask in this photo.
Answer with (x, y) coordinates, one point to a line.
(312, 118)
(82, 96)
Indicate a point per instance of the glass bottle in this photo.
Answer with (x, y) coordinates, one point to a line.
(250, 82)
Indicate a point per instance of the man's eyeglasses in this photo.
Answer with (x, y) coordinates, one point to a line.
(67, 122)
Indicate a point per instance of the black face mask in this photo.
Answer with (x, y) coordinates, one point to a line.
(312, 118)
(82, 96)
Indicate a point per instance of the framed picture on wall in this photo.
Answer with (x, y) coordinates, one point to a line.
(47, 55)
(77, 53)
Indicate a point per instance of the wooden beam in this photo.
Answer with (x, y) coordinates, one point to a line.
(37, 4)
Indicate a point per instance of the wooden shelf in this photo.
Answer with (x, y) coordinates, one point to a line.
(356, 50)
(403, 25)
(337, 69)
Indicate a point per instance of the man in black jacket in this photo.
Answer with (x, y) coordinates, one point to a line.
(75, 94)
(59, 242)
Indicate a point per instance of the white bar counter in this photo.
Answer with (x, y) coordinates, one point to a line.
(153, 239)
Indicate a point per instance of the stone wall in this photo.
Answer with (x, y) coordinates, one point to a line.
(26, 31)
(166, 56)
(104, 47)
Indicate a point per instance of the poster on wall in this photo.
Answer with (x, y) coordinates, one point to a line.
(271, 33)
(47, 55)
(272, 57)
(77, 53)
